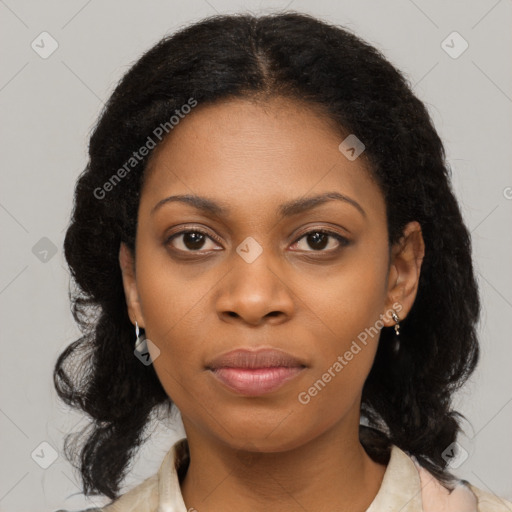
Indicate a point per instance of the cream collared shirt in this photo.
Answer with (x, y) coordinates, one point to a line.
(406, 487)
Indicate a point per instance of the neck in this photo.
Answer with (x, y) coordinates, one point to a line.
(330, 472)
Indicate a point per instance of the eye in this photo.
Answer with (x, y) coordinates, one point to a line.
(318, 239)
(192, 240)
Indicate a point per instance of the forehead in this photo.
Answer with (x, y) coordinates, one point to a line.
(253, 153)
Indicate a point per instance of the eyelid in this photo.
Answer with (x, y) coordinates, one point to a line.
(192, 229)
(320, 229)
(342, 240)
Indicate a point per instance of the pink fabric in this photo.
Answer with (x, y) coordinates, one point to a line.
(436, 498)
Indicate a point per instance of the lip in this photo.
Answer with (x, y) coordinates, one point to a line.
(255, 372)
(255, 382)
(260, 358)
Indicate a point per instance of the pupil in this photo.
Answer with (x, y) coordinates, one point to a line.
(315, 237)
(193, 240)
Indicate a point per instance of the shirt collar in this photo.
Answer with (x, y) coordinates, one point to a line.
(400, 490)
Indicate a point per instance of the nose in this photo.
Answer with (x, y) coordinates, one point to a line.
(255, 293)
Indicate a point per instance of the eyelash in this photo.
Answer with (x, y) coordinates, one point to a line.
(341, 239)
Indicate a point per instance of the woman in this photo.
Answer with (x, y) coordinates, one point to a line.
(268, 237)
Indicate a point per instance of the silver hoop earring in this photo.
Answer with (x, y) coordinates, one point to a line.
(140, 340)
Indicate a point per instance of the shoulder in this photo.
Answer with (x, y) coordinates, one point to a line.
(163, 485)
(142, 498)
(488, 502)
(464, 496)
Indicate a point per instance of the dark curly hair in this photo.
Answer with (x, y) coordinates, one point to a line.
(407, 397)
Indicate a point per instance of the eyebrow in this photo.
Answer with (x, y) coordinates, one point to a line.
(287, 209)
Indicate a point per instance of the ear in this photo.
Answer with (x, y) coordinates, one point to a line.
(127, 264)
(404, 272)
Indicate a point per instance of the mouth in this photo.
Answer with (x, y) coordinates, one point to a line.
(254, 373)
(257, 381)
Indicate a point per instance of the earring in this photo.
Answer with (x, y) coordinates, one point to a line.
(140, 341)
(397, 325)
(396, 344)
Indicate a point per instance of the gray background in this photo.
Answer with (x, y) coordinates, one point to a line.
(48, 107)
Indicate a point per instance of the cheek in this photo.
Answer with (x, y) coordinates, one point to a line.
(335, 382)
(351, 298)
(171, 305)
(348, 308)
(170, 294)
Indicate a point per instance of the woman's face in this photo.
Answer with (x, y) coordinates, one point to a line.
(248, 275)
